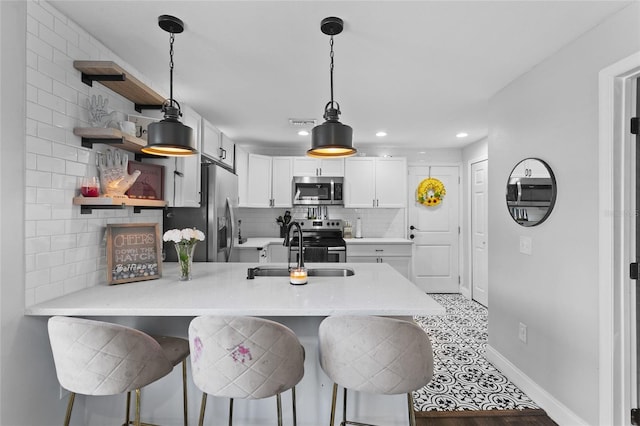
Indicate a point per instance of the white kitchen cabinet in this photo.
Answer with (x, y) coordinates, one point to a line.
(268, 181)
(281, 182)
(182, 174)
(242, 170)
(375, 182)
(530, 168)
(308, 166)
(396, 255)
(216, 145)
(227, 151)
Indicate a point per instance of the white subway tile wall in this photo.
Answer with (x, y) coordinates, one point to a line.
(64, 250)
(376, 223)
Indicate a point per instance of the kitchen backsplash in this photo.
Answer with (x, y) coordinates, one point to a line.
(376, 223)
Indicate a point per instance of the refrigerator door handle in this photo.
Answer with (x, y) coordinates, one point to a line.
(231, 223)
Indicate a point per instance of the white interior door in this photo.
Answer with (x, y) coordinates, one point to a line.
(479, 254)
(436, 232)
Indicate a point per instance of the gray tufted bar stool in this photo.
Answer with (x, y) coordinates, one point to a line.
(378, 355)
(244, 358)
(100, 358)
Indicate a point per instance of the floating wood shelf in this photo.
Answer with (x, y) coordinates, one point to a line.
(108, 135)
(111, 75)
(87, 204)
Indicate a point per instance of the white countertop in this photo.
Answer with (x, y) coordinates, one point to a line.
(223, 289)
(377, 241)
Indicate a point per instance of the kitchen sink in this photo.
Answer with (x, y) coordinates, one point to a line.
(266, 271)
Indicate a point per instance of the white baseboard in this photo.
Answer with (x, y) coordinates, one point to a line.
(554, 408)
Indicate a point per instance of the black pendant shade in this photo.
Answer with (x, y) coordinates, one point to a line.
(331, 139)
(169, 137)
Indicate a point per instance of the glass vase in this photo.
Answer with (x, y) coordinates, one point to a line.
(185, 259)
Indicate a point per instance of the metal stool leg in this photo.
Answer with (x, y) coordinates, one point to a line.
(137, 421)
(231, 412)
(203, 406)
(279, 408)
(67, 418)
(333, 403)
(293, 398)
(412, 414)
(184, 391)
(344, 408)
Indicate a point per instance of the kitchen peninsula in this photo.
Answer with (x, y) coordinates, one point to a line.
(167, 304)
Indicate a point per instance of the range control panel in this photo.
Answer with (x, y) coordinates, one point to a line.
(313, 224)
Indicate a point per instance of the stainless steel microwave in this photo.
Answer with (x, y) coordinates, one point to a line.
(529, 192)
(317, 191)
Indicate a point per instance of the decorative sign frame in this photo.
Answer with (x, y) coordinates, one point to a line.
(150, 183)
(134, 252)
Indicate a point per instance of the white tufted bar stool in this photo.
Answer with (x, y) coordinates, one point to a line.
(244, 358)
(100, 358)
(378, 355)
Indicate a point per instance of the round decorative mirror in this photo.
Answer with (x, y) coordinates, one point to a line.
(531, 192)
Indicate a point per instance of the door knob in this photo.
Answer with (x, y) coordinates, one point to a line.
(413, 227)
(412, 236)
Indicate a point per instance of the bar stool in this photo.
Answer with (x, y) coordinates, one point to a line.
(378, 355)
(100, 358)
(244, 358)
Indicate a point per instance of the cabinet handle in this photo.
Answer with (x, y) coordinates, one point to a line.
(223, 154)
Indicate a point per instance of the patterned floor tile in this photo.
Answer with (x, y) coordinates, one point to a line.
(463, 379)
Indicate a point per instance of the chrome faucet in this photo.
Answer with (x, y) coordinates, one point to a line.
(286, 241)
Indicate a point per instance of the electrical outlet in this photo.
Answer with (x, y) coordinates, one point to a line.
(526, 245)
(522, 333)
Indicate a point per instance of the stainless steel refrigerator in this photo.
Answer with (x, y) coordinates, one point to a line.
(214, 217)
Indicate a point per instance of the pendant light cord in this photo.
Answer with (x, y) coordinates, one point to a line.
(171, 40)
(331, 68)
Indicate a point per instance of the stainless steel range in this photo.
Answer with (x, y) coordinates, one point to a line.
(322, 241)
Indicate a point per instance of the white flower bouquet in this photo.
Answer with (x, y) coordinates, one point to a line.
(185, 242)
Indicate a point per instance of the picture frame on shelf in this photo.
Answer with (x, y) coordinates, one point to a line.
(150, 183)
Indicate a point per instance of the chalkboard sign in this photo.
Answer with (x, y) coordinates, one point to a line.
(133, 252)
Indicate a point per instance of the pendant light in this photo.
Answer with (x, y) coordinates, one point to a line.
(331, 139)
(169, 137)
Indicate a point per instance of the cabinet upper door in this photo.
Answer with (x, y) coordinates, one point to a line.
(332, 167)
(305, 166)
(188, 185)
(281, 181)
(359, 182)
(227, 150)
(242, 170)
(391, 182)
(210, 140)
(259, 181)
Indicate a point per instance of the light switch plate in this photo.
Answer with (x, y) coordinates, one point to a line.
(526, 245)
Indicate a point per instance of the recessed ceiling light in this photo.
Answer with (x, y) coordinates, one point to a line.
(303, 133)
(381, 134)
(462, 135)
(422, 152)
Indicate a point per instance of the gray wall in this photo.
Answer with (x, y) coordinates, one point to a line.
(551, 112)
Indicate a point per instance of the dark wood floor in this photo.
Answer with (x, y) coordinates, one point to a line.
(485, 418)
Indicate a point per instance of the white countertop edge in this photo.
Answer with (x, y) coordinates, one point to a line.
(377, 241)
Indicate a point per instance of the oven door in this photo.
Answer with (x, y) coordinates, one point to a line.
(319, 255)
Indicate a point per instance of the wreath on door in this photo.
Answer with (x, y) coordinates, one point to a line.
(430, 192)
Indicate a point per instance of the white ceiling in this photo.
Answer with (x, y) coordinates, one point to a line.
(420, 70)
